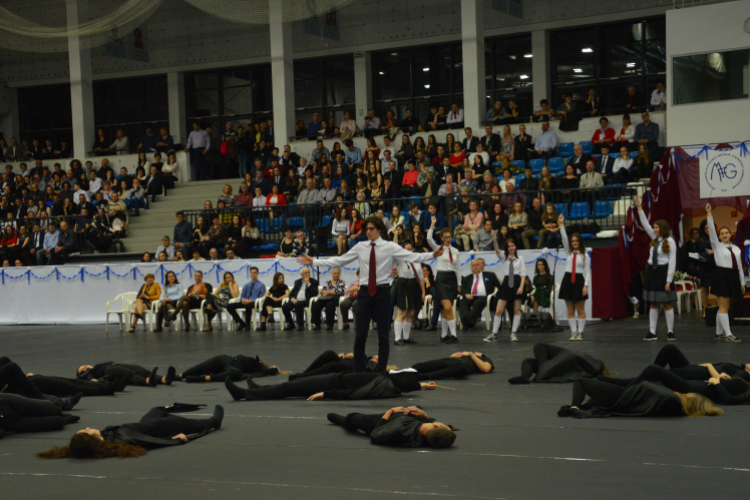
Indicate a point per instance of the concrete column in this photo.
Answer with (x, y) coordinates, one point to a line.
(177, 112)
(362, 86)
(10, 125)
(282, 74)
(472, 49)
(540, 68)
(81, 90)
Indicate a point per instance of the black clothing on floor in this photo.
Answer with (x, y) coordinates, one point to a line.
(606, 400)
(558, 365)
(63, 387)
(15, 381)
(156, 429)
(671, 355)
(399, 430)
(330, 362)
(340, 386)
(21, 414)
(438, 369)
(111, 370)
(223, 366)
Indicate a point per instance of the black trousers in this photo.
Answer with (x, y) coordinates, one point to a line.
(438, 369)
(470, 311)
(299, 310)
(329, 305)
(233, 308)
(14, 380)
(301, 388)
(161, 423)
(33, 415)
(64, 387)
(362, 422)
(218, 367)
(542, 353)
(667, 378)
(140, 374)
(376, 308)
(347, 304)
(326, 363)
(601, 393)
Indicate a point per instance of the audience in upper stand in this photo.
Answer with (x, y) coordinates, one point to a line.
(659, 98)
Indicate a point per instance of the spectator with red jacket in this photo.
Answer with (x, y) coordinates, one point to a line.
(605, 136)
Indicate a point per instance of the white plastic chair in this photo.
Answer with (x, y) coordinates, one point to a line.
(127, 300)
(694, 292)
(308, 309)
(155, 306)
(259, 307)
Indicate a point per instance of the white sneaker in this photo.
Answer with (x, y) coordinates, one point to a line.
(513, 337)
(580, 337)
(490, 338)
(731, 338)
(573, 335)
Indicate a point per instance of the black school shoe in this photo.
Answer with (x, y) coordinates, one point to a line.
(650, 336)
(410, 341)
(452, 339)
(399, 342)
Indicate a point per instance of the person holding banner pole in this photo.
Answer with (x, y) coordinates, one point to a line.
(658, 288)
(729, 281)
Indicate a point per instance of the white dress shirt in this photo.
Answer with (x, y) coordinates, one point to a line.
(455, 117)
(478, 280)
(449, 261)
(628, 133)
(393, 156)
(721, 251)
(259, 201)
(406, 272)
(661, 257)
(582, 265)
(625, 163)
(658, 97)
(95, 186)
(519, 268)
(198, 139)
(386, 252)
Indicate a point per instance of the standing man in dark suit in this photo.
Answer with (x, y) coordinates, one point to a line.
(478, 286)
(304, 289)
(605, 164)
(470, 143)
(579, 160)
(491, 142)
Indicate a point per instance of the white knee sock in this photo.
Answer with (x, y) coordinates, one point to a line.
(452, 327)
(497, 322)
(581, 324)
(397, 327)
(724, 319)
(653, 318)
(670, 320)
(407, 330)
(516, 322)
(719, 327)
(444, 326)
(572, 324)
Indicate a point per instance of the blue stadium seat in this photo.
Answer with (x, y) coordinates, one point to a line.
(633, 154)
(406, 217)
(326, 220)
(587, 146)
(296, 221)
(262, 224)
(579, 210)
(566, 149)
(560, 208)
(519, 164)
(536, 166)
(519, 177)
(556, 165)
(602, 209)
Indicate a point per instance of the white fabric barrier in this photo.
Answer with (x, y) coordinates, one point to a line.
(78, 294)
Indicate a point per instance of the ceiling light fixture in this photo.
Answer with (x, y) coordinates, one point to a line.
(587, 49)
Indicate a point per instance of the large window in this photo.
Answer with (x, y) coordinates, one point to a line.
(717, 76)
(507, 66)
(610, 58)
(417, 79)
(324, 86)
(242, 95)
(45, 113)
(131, 104)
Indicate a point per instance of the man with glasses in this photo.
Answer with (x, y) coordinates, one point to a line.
(376, 259)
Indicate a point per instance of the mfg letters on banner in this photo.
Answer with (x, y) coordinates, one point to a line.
(724, 173)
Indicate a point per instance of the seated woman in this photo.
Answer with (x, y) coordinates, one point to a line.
(641, 400)
(139, 375)
(273, 298)
(157, 429)
(558, 365)
(148, 293)
(330, 362)
(348, 386)
(227, 290)
(31, 415)
(170, 296)
(329, 298)
(458, 365)
(218, 368)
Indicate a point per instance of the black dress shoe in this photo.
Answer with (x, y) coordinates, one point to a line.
(287, 327)
(262, 327)
(443, 340)
(346, 326)
(410, 341)
(399, 342)
(301, 328)
(329, 327)
(452, 339)
(315, 328)
(247, 327)
(430, 328)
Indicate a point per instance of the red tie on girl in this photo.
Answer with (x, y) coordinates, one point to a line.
(372, 283)
(734, 259)
(450, 254)
(476, 286)
(573, 274)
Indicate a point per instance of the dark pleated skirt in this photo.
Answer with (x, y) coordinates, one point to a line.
(572, 292)
(508, 294)
(408, 295)
(446, 286)
(653, 286)
(726, 283)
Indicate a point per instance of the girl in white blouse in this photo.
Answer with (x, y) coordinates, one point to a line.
(574, 289)
(621, 170)
(729, 280)
(658, 288)
(511, 290)
(447, 281)
(340, 231)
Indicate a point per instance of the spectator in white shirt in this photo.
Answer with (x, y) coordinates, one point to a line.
(387, 147)
(455, 117)
(95, 183)
(348, 127)
(259, 201)
(78, 192)
(659, 98)
(372, 124)
(622, 167)
(166, 247)
(627, 132)
(480, 152)
(121, 144)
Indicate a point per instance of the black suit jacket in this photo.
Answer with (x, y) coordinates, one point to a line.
(470, 145)
(442, 174)
(312, 290)
(580, 167)
(491, 283)
(395, 178)
(605, 167)
(37, 240)
(492, 144)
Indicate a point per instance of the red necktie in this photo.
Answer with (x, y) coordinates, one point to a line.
(476, 285)
(372, 284)
(573, 274)
(734, 259)
(450, 254)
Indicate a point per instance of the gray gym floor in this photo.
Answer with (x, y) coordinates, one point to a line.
(511, 443)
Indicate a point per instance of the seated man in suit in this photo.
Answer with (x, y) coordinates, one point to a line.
(579, 159)
(475, 289)
(304, 289)
(605, 164)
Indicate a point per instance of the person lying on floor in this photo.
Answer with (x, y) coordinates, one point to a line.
(728, 391)
(157, 429)
(330, 362)
(670, 355)
(21, 414)
(458, 365)
(558, 365)
(13, 381)
(406, 427)
(139, 375)
(218, 368)
(334, 386)
(62, 387)
(644, 399)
